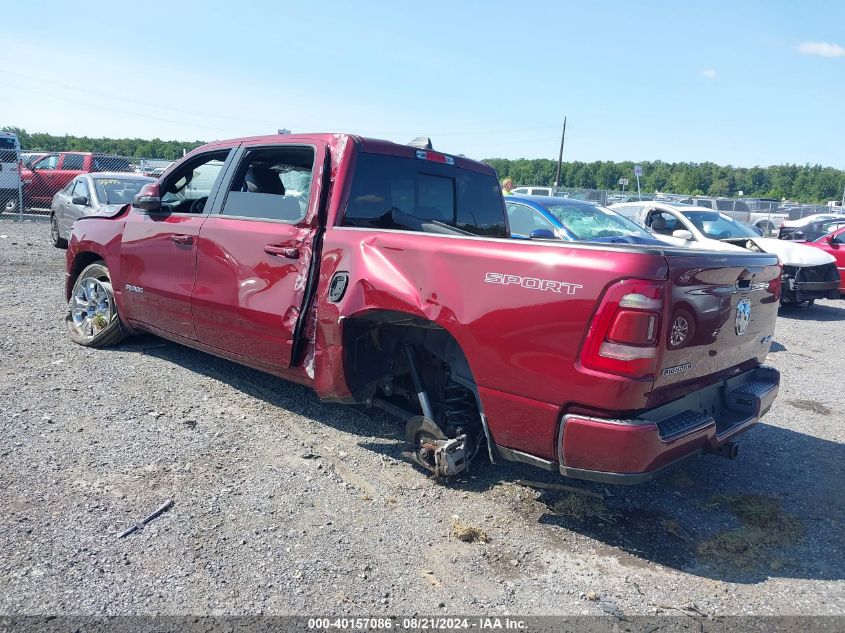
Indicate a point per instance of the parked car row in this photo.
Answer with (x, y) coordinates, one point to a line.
(48, 174)
(809, 273)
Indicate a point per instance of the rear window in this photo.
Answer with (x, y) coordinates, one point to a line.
(389, 192)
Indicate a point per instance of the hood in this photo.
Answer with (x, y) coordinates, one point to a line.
(106, 211)
(790, 253)
(628, 239)
(809, 219)
(794, 253)
(700, 245)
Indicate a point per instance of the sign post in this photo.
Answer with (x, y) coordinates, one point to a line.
(638, 171)
(623, 182)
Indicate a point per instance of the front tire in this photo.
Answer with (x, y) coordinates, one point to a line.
(55, 235)
(92, 318)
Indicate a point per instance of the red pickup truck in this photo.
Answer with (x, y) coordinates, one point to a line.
(44, 178)
(383, 274)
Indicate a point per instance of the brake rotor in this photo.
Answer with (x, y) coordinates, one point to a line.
(423, 435)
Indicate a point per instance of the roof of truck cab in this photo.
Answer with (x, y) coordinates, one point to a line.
(365, 144)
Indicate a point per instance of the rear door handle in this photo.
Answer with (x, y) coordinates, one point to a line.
(282, 251)
(183, 239)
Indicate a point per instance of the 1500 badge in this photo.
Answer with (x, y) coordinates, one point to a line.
(532, 283)
(677, 369)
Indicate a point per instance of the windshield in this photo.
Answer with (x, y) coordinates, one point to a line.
(717, 226)
(118, 190)
(588, 222)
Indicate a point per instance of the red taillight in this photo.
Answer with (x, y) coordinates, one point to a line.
(633, 328)
(624, 334)
(776, 284)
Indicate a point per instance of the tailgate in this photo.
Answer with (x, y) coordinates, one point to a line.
(721, 314)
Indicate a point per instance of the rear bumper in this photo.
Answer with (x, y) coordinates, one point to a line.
(631, 451)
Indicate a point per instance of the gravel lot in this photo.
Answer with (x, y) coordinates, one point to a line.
(283, 504)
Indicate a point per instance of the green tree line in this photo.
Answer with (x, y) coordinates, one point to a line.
(132, 147)
(798, 183)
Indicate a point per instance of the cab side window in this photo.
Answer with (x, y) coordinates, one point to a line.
(80, 188)
(73, 162)
(48, 162)
(272, 184)
(186, 190)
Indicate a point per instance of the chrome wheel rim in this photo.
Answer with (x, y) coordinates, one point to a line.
(680, 329)
(91, 306)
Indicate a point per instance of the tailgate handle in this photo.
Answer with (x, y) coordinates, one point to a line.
(282, 251)
(743, 284)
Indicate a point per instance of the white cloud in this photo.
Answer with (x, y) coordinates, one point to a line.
(709, 73)
(822, 49)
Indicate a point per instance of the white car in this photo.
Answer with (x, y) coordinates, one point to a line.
(808, 273)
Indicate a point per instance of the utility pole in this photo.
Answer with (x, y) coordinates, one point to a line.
(560, 156)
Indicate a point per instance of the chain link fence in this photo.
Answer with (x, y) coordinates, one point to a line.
(43, 175)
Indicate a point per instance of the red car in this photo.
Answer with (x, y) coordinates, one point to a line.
(834, 243)
(46, 176)
(383, 274)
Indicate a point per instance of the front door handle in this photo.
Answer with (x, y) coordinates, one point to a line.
(183, 239)
(282, 251)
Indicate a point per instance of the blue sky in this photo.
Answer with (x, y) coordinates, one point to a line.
(744, 83)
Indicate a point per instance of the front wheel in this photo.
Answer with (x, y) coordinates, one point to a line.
(55, 235)
(91, 317)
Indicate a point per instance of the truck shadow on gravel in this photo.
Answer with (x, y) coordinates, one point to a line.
(777, 510)
(817, 312)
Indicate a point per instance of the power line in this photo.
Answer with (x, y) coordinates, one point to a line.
(134, 101)
(118, 111)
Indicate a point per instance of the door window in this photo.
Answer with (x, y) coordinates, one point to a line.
(272, 184)
(48, 162)
(80, 188)
(523, 219)
(186, 190)
(73, 162)
(663, 223)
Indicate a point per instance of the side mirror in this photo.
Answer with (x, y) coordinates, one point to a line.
(543, 234)
(757, 230)
(80, 200)
(682, 234)
(148, 200)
